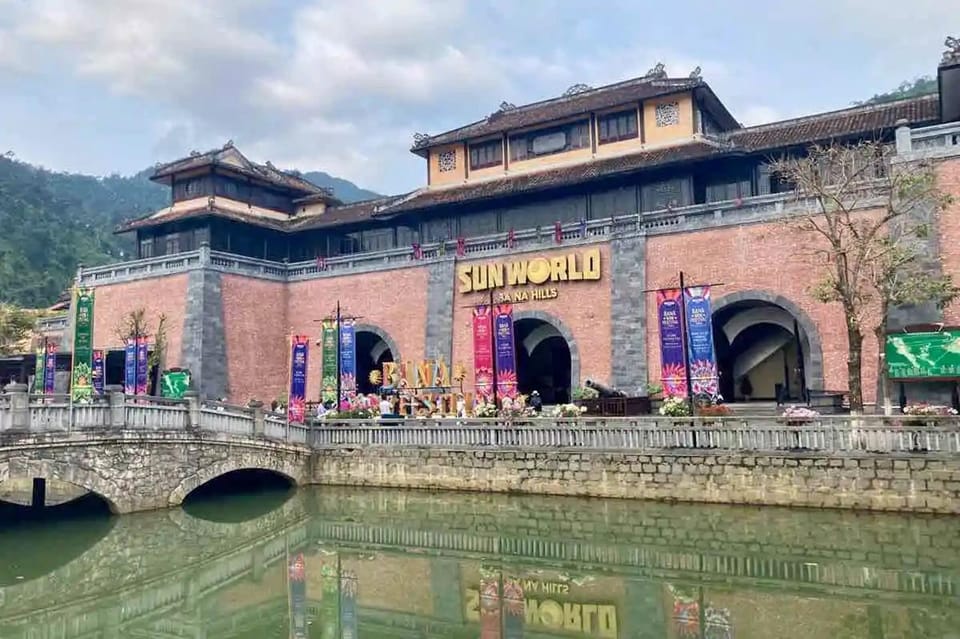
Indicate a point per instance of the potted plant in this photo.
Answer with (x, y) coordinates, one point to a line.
(675, 407)
(794, 415)
(568, 411)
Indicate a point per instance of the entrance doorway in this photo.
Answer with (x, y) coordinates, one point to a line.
(373, 352)
(543, 360)
(760, 352)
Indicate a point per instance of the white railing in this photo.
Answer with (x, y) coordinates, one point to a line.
(152, 266)
(833, 435)
(229, 420)
(156, 417)
(939, 136)
(275, 427)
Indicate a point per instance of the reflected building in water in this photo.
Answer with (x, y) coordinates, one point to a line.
(334, 564)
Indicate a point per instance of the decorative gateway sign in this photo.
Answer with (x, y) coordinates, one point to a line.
(538, 271)
(924, 355)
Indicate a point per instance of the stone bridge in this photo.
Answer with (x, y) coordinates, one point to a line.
(895, 563)
(146, 455)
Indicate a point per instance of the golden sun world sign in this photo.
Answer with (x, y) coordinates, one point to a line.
(538, 271)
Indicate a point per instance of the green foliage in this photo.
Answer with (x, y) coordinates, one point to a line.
(907, 89)
(584, 392)
(53, 221)
(16, 325)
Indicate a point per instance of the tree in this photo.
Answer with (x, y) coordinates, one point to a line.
(867, 226)
(134, 324)
(16, 325)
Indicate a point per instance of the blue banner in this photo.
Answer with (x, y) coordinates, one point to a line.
(297, 400)
(505, 352)
(98, 372)
(142, 358)
(130, 368)
(700, 353)
(50, 370)
(348, 358)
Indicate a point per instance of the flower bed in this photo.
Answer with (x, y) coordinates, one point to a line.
(798, 415)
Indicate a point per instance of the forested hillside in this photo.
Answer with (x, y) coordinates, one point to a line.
(50, 222)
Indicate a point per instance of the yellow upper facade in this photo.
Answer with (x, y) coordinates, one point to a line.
(582, 125)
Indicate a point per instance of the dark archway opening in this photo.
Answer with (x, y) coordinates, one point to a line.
(760, 353)
(372, 353)
(240, 495)
(543, 360)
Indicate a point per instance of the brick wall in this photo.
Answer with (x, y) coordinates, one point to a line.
(761, 257)
(257, 333)
(162, 295)
(948, 173)
(395, 301)
(914, 484)
(583, 308)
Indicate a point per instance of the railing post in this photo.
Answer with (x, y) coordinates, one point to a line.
(19, 406)
(259, 424)
(117, 416)
(193, 409)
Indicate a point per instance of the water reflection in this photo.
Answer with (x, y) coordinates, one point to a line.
(339, 563)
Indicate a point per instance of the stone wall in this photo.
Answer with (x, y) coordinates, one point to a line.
(908, 483)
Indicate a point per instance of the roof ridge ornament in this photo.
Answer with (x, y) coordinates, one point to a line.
(952, 54)
(575, 89)
(658, 72)
(506, 106)
(695, 74)
(420, 139)
(228, 145)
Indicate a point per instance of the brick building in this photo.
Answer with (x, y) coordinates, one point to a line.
(648, 177)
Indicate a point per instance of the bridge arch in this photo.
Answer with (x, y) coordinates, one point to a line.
(289, 470)
(87, 479)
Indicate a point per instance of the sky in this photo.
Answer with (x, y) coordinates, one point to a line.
(114, 86)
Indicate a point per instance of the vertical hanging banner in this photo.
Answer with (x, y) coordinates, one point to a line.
(700, 352)
(514, 606)
(482, 352)
(490, 603)
(297, 401)
(328, 362)
(506, 352)
(297, 593)
(348, 358)
(329, 594)
(50, 370)
(38, 369)
(98, 372)
(673, 372)
(348, 605)
(130, 368)
(81, 369)
(142, 364)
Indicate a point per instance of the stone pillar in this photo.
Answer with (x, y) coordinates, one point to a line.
(257, 564)
(19, 406)
(118, 401)
(904, 139)
(258, 421)
(193, 405)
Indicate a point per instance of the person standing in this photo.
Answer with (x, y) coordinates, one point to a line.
(535, 402)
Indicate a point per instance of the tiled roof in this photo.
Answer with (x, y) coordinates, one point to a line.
(836, 124)
(204, 211)
(560, 176)
(340, 215)
(565, 106)
(228, 156)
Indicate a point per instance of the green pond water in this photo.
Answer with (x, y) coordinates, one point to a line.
(339, 562)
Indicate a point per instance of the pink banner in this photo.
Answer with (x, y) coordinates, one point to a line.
(483, 351)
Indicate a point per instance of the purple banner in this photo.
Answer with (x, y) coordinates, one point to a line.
(142, 356)
(505, 353)
(297, 401)
(297, 594)
(130, 368)
(98, 372)
(673, 372)
(700, 352)
(50, 370)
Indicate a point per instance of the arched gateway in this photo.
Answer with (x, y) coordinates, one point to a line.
(375, 347)
(548, 360)
(767, 339)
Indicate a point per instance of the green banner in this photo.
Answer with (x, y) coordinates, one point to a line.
(923, 355)
(174, 383)
(81, 375)
(328, 373)
(38, 370)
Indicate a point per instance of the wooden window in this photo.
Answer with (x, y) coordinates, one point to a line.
(568, 137)
(146, 247)
(618, 126)
(486, 154)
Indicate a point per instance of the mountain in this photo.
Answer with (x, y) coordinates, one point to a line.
(907, 89)
(50, 222)
(343, 189)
